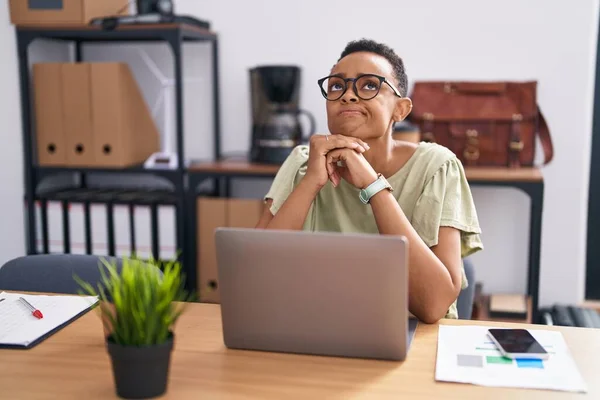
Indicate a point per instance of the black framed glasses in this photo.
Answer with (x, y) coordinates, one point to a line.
(365, 86)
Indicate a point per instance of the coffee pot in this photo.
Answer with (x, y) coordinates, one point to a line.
(276, 125)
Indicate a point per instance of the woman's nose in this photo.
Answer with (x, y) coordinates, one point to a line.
(349, 96)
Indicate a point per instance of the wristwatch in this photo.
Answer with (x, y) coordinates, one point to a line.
(380, 184)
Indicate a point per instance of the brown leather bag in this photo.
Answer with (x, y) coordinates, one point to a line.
(483, 123)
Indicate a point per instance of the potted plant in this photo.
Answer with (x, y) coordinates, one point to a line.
(139, 306)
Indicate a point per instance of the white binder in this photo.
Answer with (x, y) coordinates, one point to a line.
(99, 230)
(167, 233)
(122, 230)
(55, 227)
(39, 238)
(77, 228)
(143, 235)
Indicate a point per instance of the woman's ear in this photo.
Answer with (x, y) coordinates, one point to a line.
(403, 108)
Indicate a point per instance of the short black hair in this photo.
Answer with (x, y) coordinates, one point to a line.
(386, 52)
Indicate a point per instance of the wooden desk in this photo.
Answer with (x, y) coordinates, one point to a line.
(74, 364)
(241, 167)
(528, 180)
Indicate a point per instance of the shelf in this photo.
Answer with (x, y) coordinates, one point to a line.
(139, 32)
(483, 312)
(241, 166)
(234, 166)
(504, 174)
(173, 35)
(166, 173)
(110, 195)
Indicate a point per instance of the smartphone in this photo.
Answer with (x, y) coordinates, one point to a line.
(517, 343)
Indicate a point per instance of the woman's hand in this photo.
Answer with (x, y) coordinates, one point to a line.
(320, 147)
(356, 170)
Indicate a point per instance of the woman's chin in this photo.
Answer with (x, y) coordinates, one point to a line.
(358, 132)
(350, 129)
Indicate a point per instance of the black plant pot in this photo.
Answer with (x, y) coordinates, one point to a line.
(140, 372)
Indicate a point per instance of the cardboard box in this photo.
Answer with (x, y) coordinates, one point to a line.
(64, 12)
(91, 115)
(212, 214)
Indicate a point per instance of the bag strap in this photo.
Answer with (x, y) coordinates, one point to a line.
(545, 139)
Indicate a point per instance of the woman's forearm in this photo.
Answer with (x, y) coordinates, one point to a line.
(293, 212)
(432, 289)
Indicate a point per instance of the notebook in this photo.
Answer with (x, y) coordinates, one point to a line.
(20, 329)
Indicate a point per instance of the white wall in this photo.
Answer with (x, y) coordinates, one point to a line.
(553, 42)
(12, 239)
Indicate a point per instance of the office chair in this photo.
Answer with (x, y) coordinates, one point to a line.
(466, 297)
(52, 273)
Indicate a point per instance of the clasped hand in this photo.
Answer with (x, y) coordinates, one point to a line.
(327, 153)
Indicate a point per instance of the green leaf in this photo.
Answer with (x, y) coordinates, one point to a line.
(143, 299)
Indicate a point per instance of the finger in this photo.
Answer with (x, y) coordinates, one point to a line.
(333, 157)
(330, 167)
(361, 142)
(335, 179)
(340, 142)
(331, 164)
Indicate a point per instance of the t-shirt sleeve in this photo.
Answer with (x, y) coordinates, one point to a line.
(289, 174)
(447, 201)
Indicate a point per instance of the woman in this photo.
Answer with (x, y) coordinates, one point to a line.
(415, 190)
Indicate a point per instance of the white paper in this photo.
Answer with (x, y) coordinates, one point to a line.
(19, 327)
(466, 354)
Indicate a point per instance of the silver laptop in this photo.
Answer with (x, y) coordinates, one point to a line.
(314, 293)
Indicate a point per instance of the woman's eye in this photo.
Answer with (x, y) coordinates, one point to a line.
(370, 86)
(335, 87)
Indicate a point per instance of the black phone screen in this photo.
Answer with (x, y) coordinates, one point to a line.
(517, 341)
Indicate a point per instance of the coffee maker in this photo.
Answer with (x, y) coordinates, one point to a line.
(276, 127)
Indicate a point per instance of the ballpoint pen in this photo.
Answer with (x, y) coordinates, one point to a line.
(34, 311)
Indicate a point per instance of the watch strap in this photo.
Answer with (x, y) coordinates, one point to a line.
(380, 184)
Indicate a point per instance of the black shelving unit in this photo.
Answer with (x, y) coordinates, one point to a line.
(172, 34)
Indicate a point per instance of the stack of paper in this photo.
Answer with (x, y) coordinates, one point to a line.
(19, 328)
(466, 354)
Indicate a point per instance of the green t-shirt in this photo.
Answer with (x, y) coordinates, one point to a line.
(431, 188)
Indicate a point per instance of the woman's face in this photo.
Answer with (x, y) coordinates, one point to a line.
(365, 119)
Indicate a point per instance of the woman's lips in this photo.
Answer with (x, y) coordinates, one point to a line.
(350, 113)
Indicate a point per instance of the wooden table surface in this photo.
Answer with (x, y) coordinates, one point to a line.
(73, 364)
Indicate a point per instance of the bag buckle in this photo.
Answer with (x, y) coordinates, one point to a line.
(471, 152)
(516, 146)
(428, 135)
